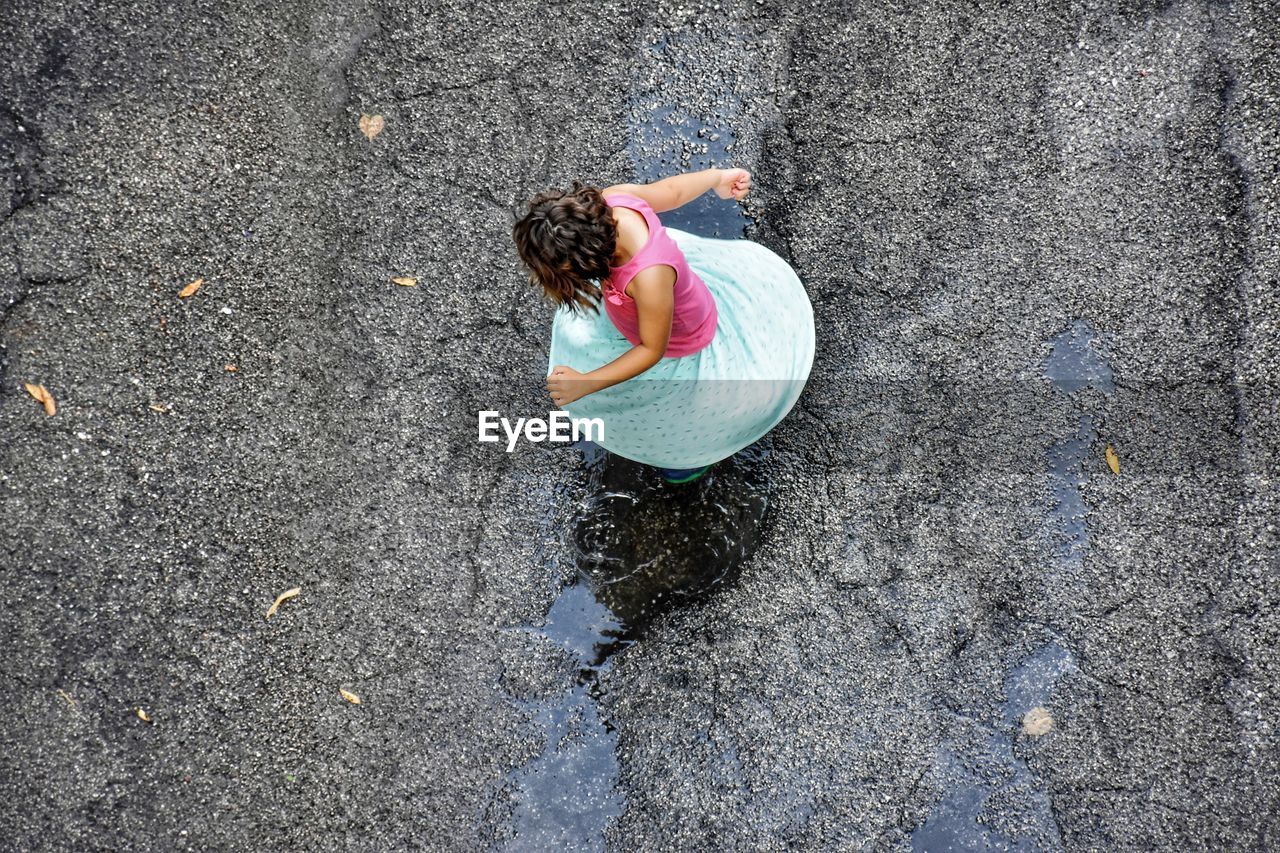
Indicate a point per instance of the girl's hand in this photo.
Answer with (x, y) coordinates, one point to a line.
(734, 183)
(566, 385)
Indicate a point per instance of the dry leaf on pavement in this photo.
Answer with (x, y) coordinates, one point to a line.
(43, 397)
(349, 696)
(1113, 461)
(1037, 722)
(282, 597)
(405, 281)
(371, 126)
(190, 289)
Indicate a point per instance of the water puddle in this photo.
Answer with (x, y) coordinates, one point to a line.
(646, 546)
(1074, 364)
(566, 796)
(1030, 684)
(1067, 518)
(640, 547)
(582, 625)
(962, 819)
(671, 138)
(955, 823)
(983, 775)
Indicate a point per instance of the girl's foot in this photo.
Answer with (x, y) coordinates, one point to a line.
(677, 476)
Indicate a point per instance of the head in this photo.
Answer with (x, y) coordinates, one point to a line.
(566, 240)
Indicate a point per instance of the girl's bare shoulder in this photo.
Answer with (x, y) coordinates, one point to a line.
(644, 192)
(633, 233)
(631, 221)
(659, 195)
(627, 189)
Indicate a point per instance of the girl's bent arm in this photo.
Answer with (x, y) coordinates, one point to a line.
(653, 290)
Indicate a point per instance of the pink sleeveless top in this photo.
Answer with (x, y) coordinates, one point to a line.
(693, 318)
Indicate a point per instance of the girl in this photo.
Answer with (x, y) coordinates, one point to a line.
(703, 346)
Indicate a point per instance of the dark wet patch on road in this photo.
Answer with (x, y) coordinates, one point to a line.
(983, 776)
(1067, 518)
(1074, 365)
(641, 547)
(1030, 684)
(645, 545)
(565, 797)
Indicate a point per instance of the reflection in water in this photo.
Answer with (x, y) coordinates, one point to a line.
(644, 545)
(956, 821)
(641, 546)
(583, 626)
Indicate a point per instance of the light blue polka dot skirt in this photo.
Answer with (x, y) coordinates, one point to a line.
(693, 411)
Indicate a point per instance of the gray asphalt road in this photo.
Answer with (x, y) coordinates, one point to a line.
(1029, 233)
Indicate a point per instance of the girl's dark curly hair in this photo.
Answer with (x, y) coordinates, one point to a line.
(566, 240)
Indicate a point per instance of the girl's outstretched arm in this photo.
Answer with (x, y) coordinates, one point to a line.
(677, 190)
(653, 290)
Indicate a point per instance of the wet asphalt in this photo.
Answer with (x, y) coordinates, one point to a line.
(1029, 233)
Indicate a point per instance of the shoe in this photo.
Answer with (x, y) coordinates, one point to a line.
(688, 477)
